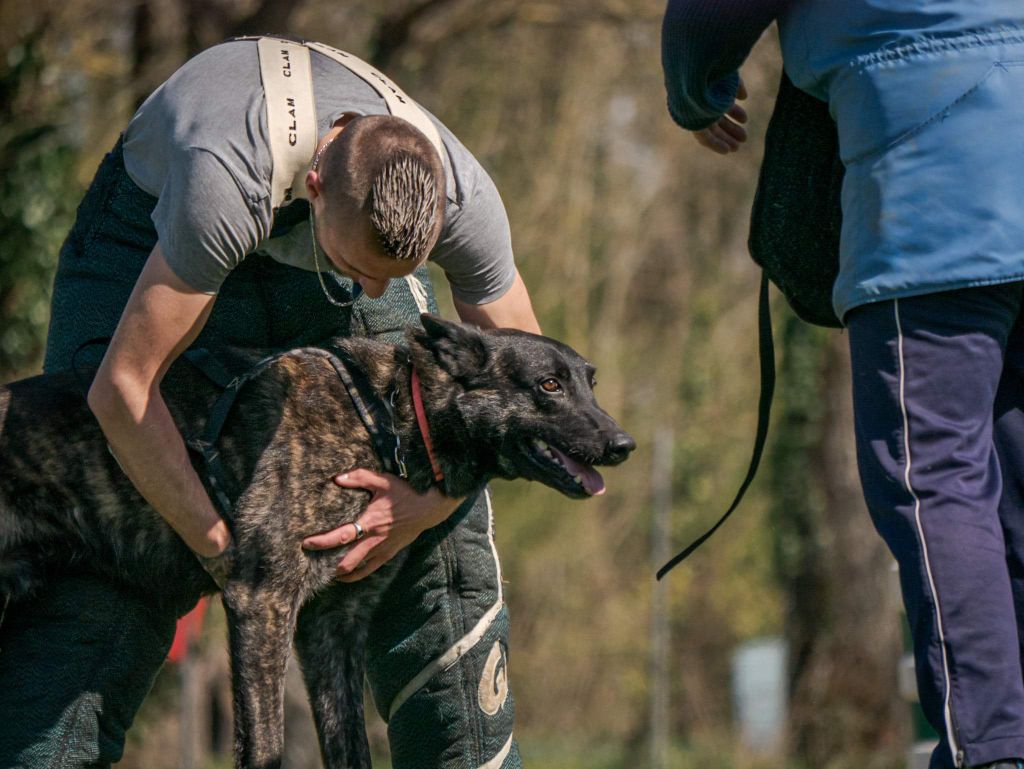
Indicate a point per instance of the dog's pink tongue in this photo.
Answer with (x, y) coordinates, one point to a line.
(592, 481)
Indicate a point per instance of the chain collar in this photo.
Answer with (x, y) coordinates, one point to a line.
(319, 272)
(315, 166)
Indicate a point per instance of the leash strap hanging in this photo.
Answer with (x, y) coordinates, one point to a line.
(766, 350)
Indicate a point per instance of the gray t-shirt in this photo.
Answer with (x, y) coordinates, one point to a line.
(200, 145)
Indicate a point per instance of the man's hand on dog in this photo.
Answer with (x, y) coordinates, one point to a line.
(396, 515)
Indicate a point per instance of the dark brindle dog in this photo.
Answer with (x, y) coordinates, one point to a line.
(499, 404)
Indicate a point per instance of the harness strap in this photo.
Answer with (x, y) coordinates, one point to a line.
(291, 115)
(399, 104)
(214, 370)
(287, 77)
(199, 357)
(204, 360)
(385, 443)
(206, 444)
(766, 351)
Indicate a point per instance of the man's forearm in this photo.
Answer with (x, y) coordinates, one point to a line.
(150, 450)
(512, 310)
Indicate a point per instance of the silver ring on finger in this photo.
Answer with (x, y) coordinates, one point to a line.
(360, 531)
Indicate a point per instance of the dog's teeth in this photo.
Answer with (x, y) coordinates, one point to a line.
(578, 478)
(540, 444)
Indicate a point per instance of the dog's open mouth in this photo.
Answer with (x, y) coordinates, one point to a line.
(583, 476)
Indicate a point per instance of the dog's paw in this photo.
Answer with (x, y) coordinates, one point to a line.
(219, 567)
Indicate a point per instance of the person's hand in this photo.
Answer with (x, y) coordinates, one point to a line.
(395, 516)
(727, 134)
(216, 552)
(219, 566)
(213, 542)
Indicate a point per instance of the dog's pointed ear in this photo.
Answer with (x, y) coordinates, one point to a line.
(459, 349)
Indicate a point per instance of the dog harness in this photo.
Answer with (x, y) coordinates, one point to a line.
(372, 412)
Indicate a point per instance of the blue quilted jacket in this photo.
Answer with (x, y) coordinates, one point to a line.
(928, 97)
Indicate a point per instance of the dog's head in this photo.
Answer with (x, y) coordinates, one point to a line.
(527, 402)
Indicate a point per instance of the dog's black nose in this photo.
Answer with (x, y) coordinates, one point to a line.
(620, 447)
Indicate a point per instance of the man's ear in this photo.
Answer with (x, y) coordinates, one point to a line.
(460, 350)
(314, 185)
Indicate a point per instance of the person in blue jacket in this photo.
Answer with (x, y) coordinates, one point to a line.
(926, 95)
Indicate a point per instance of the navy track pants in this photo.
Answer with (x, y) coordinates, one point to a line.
(938, 387)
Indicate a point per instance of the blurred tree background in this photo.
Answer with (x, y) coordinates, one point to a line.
(633, 242)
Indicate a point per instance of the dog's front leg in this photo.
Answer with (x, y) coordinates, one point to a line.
(330, 640)
(261, 623)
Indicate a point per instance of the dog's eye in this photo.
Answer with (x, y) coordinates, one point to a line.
(550, 385)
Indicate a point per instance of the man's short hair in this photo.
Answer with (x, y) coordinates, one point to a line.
(387, 169)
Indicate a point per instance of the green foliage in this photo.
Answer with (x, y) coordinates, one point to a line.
(796, 493)
(37, 199)
(37, 211)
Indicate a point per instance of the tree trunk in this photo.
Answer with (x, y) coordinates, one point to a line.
(843, 623)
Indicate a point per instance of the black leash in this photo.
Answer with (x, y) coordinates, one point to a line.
(766, 350)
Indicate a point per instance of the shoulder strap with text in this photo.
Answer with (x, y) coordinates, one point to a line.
(291, 111)
(291, 115)
(398, 103)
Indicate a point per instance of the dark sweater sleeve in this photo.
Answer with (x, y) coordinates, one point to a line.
(703, 44)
